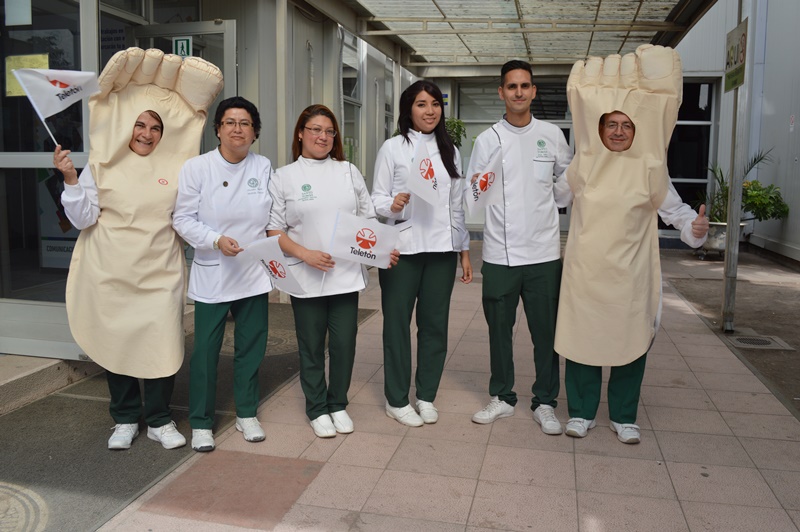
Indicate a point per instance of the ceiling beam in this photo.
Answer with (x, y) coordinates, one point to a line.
(639, 26)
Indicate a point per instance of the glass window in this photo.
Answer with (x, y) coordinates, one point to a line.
(112, 37)
(351, 67)
(135, 7)
(171, 11)
(388, 120)
(352, 119)
(51, 41)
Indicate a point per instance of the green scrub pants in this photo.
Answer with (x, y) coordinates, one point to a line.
(314, 317)
(249, 346)
(584, 382)
(126, 399)
(425, 279)
(538, 286)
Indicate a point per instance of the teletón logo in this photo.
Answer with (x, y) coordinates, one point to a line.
(366, 238)
(486, 181)
(58, 84)
(163, 181)
(277, 270)
(426, 168)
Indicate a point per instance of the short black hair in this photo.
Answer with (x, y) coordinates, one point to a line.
(515, 64)
(237, 102)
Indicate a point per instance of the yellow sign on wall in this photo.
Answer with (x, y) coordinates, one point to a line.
(735, 54)
(13, 62)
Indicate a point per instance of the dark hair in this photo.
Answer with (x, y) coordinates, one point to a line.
(446, 147)
(337, 152)
(237, 102)
(157, 117)
(515, 64)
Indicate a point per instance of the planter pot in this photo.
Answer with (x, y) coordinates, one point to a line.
(717, 237)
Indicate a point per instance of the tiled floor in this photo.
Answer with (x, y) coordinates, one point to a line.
(718, 452)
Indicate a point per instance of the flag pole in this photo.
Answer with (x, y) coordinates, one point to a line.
(35, 107)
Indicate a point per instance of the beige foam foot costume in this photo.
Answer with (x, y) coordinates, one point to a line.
(125, 288)
(610, 288)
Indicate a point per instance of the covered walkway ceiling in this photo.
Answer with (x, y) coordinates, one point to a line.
(455, 38)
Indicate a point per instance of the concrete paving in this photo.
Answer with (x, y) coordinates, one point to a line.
(719, 451)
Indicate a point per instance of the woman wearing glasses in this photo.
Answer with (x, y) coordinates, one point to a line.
(223, 203)
(430, 243)
(318, 182)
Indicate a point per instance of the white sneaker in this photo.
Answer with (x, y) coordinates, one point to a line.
(124, 433)
(323, 426)
(493, 411)
(545, 415)
(427, 411)
(577, 427)
(202, 440)
(250, 428)
(168, 435)
(342, 422)
(405, 415)
(627, 432)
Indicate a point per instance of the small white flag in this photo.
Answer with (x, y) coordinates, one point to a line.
(487, 188)
(52, 91)
(363, 240)
(268, 253)
(422, 181)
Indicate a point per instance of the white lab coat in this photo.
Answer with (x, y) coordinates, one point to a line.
(215, 198)
(439, 228)
(305, 195)
(524, 229)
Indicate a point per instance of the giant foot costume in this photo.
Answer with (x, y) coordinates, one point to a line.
(125, 288)
(611, 284)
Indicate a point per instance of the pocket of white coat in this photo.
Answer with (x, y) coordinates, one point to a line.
(543, 169)
(205, 277)
(406, 240)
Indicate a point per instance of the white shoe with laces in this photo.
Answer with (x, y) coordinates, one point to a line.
(577, 427)
(202, 440)
(250, 428)
(627, 432)
(167, 435)
(545, 415)
(495, 410)
(427, 411)
(123, 436)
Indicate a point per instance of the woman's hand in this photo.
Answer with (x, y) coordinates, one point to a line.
(394, 256)
(228, 246)
(318, 259)
(400, 201)
(466, 268)
(63, 164)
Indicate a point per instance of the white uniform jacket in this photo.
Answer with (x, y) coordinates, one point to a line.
(430, 228)
(216, 198)
(303, 193)
(524, 229)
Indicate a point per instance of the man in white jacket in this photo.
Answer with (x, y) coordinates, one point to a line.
(522, 245)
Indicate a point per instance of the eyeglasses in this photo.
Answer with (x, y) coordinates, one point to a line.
(244, 124)
(318, 131)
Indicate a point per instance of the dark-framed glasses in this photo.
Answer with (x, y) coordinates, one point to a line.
(231, 124)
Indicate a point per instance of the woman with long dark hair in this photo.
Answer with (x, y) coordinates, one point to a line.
(320, 179)
(432, 237)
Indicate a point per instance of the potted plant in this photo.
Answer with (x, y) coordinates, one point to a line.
(758, 202)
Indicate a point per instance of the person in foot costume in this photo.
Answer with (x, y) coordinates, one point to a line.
(125, 288)
(624, 110)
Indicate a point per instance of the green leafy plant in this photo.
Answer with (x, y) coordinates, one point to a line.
(763, 203)
(456, 129)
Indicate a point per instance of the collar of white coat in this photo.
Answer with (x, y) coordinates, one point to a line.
(313, 162)
(517, 130)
